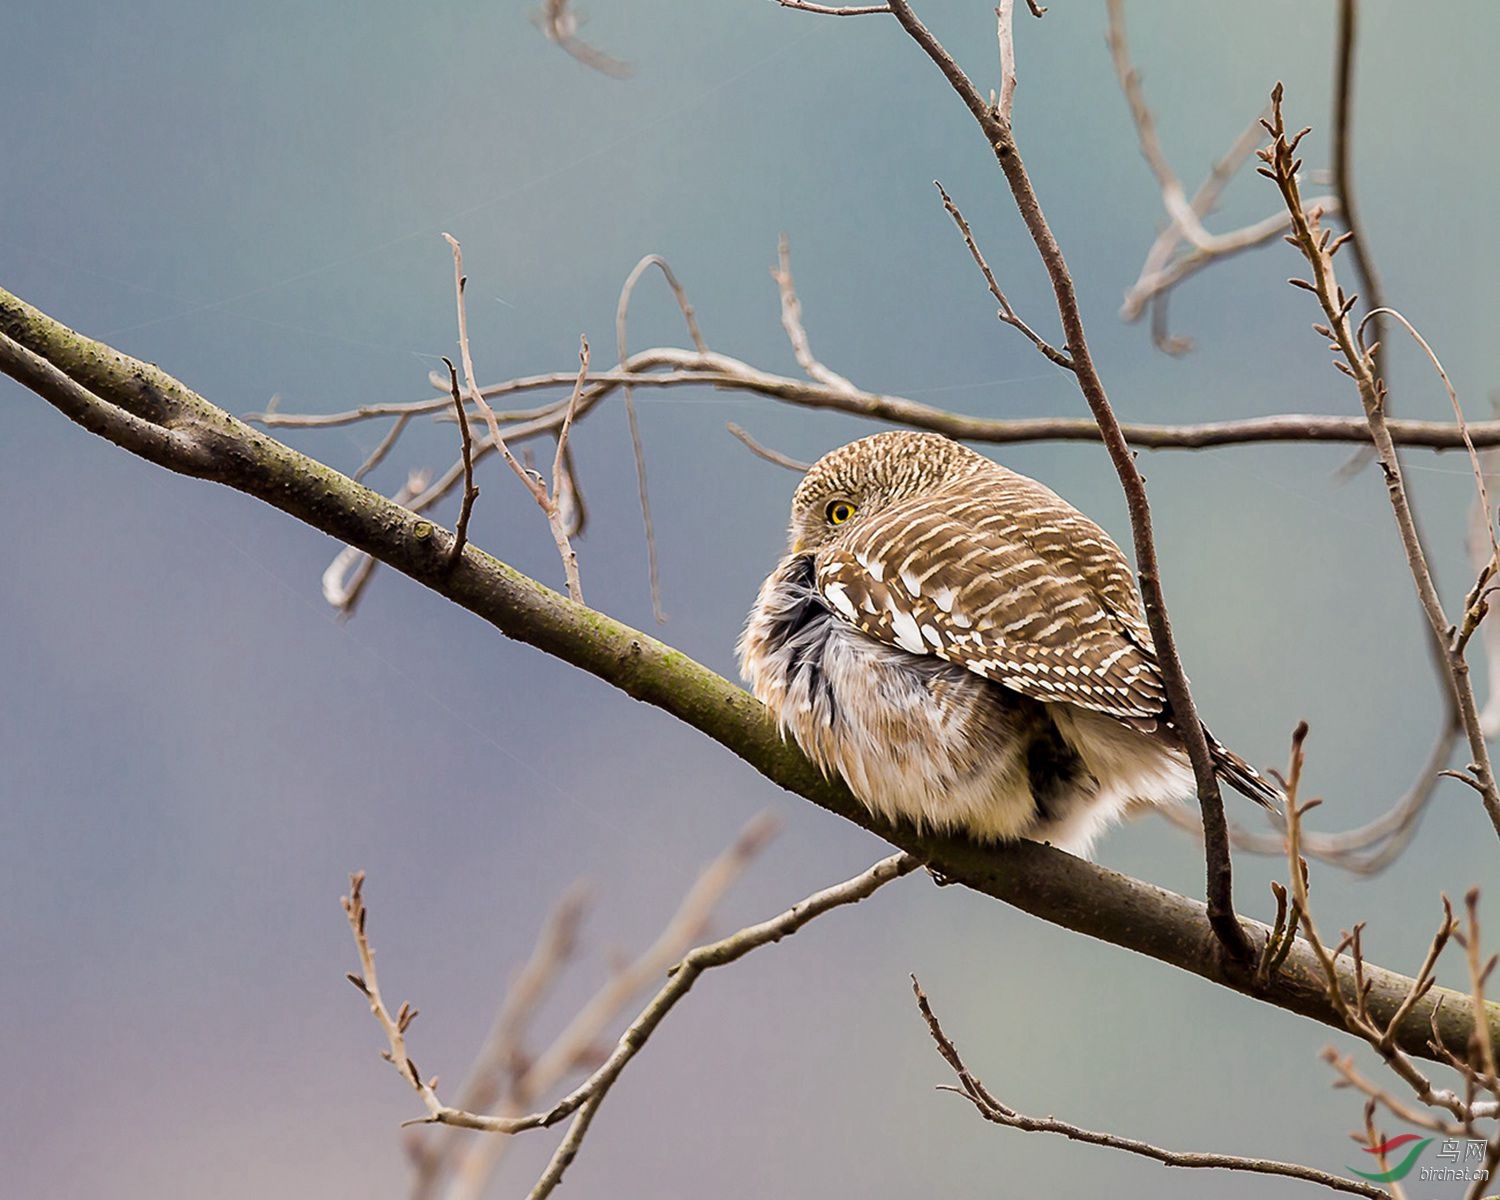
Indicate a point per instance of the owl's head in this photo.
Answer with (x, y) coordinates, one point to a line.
(853, 483)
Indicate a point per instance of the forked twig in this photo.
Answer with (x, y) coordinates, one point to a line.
(1007, 314)
(972, 1089)
(1352, 358)
(546, 497)
(1162, 272)
(471, 493)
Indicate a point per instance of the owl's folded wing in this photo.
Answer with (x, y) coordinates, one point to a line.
(1011, 582)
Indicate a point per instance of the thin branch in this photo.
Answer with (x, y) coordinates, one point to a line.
(1148, 286)
(1371, 847)
(1005, 39)
(828, 10)
(689, 369)
(471, 493)
(394, 1027)
(1348, 988)
(1184, 215)
(588, 1095)
(1007, 314)
(972, 1089)
(378, 455)
(560, 25)
(765, 452)
(1343, 173)
(1153, 285)
(1480, 532)
(622, 317)
(1477, 606)
(546, 500)
(1355, 360)
(1000, 138)
(1480, 969)
(1375, 1143)
(791, 321)
(567, 1150)
(576, 1045)
(502, 1060)
(1161, 272)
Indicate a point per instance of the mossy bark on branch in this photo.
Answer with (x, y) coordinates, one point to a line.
(125, 400)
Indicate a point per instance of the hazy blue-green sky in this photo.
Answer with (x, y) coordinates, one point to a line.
(194, 751)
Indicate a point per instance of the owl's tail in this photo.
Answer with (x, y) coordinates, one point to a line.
(1244, 778)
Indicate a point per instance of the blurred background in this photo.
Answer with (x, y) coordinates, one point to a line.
(194, 751)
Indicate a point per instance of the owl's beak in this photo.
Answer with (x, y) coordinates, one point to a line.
(799, 547)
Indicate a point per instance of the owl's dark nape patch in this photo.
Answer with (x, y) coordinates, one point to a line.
(805, 606)
(801, 624)
(1053, 768)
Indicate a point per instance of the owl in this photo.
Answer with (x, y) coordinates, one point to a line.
(967, 650)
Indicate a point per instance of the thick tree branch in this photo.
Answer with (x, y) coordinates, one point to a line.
(118, 397)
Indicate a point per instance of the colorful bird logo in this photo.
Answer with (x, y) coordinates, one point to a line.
(1402, 1168)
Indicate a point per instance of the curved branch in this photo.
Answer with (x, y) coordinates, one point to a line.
(686, 368)
(1037, 879)
(972, 1089)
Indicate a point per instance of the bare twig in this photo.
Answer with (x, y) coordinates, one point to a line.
(1355, 360)
(1477, 604)
(972, 1089)
(502, 1059)
(567, 1150)
(1374, 1142)
(575, 1047)
(1349, 993)
(1007, 314)
(1150, 285)
(561, 26)
(828, 10)
(1373, 846)
(378, 455)
(588, 1095)
(547, 500)
(1480, 532)
(1343, 174)
(622, 317)
(471, 493)
(394, 1027)
(791, 321)
(686, 368)
(1161, 271)
(1005, 39)
(1480, 969)
(765, 452)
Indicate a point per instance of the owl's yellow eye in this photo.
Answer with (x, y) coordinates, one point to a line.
(838, 511)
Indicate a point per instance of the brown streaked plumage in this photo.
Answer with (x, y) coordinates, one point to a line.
(966, 649)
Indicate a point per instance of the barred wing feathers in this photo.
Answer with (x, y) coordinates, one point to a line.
(1007, 579)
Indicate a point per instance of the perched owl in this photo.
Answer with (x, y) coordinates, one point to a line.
(967, 650)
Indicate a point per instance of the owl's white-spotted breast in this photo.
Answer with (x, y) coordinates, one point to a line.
(967, 650)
